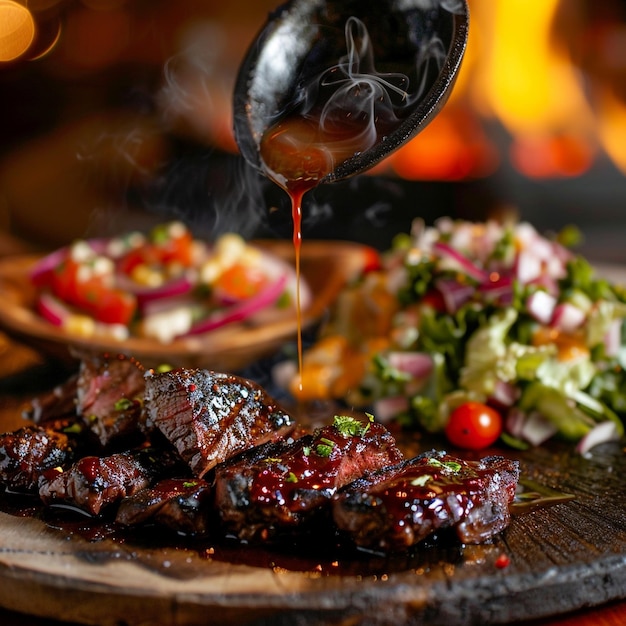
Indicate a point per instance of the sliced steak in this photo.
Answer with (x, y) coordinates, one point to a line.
(210, 417)
(52, 406)
(181, 504)
(109, 394)
(93, 483)
(28, 452)
(282, 486)
(399, 506)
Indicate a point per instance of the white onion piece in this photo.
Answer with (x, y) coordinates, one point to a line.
(532, 427)
(504, 394)
(601, 433)
(567, 317)
(540, 305)
(528, 267)
(613, 338)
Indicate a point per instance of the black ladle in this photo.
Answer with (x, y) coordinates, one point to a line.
(304, 38)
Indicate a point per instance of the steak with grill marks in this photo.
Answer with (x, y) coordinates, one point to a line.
(109, 390)
(400, 506)
(283, 486)
(181, 504)
(28, 452)
(94, 483)
(210, 417)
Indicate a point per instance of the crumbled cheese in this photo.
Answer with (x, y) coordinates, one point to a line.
(167, 325)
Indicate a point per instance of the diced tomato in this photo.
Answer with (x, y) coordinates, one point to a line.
(111, 306)
(163, 250)
(64, 280)
(94, 293)
(435, 300)
(240, 281)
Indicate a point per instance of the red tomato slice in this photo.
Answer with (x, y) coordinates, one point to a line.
(473, 426)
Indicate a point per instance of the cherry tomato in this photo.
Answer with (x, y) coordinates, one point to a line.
(240, 281)
(473, 426)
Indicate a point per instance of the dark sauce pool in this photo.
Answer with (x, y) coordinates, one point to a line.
(100, 539)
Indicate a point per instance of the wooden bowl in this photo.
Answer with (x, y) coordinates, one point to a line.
(325, 266)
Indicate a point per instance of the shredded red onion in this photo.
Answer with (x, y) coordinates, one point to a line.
(51, 309)
(242, 310)
(417, 364)
(386, 409)
(454, 293)
(463, 263)
(176, 287)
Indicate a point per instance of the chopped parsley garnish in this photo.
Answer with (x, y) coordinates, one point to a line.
(325, 447)
(292, 478)
(453, 466)
(123, 404)
(349, 426)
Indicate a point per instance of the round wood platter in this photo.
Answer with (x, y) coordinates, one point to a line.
(557, 558)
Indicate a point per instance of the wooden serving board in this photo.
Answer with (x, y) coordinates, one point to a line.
(562, 558)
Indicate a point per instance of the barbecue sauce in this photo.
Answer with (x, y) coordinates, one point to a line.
(297, 153)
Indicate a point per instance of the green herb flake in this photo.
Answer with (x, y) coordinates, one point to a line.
(306, 450)
(191, 483)
(123, 404)
(453, 466)
(292, 478)
(349, 426)
(325, 447)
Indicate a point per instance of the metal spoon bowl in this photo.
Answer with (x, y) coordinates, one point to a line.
(305, 41)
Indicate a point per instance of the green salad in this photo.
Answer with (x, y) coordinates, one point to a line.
(485, 314)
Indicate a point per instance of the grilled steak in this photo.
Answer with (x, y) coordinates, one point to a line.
(282, 486)
(57, 404)
(399, 506)
(94, 483)
(182, 504)
(108, 393)
(28, 452)
(210, 417)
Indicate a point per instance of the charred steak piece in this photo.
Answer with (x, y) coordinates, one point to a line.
(280, 487)
(108, 396)
(94, 483)
(55, 405)
(181, 504)
(28, 452)
(399, 506)
(210, 417)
